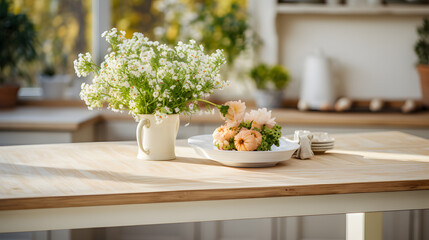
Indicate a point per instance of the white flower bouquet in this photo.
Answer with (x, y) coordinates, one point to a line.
(145, 77)
(254, 131)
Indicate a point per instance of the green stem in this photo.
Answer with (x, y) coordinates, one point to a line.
(202, 100)
(223, 109)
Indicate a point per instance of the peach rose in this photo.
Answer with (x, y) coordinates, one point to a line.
(260, 118)
(222, 135)
(235, 112)
(247, 140)
(221, 144)
(218, 134)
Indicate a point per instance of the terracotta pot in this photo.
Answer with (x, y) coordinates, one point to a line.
(424, 82)
(8, 96)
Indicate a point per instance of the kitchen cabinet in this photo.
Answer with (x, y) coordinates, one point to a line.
(41, 125)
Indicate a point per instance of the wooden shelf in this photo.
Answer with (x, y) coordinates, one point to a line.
(416, 10)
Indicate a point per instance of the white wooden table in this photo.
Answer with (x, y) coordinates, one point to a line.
(85, 185)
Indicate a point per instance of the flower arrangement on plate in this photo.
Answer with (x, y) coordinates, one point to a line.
(154, 83)
(250, 139)
(254, 131)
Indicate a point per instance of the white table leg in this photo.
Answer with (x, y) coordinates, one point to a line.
(365, 226)
(60, 235)
(416, 223)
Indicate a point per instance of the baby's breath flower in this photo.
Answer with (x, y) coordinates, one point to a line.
(146, 77)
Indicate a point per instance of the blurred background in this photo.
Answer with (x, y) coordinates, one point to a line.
(340, 66)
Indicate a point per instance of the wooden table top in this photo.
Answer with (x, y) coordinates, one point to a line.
(92, 174)
(50, 119)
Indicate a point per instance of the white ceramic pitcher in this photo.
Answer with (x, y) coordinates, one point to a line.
(157, 141)
(317, 87)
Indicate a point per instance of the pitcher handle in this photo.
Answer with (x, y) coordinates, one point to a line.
(177, 125)
(142, 123)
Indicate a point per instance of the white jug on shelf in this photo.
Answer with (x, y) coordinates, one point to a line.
(317, 91)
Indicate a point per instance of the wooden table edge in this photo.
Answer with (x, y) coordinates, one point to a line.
(210, 194)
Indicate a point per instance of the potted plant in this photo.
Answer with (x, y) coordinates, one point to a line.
(422, 50)
(270, 83)
(17, 40)
(154, 83)
(53, 79)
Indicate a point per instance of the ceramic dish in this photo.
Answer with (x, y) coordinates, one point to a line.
(204, 146)
(322, 144)
(322, 137)
(290, 138)
(316, 147)
(321, 149)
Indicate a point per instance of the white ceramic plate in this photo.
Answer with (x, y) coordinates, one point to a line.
(205, 147)
(321, 149)
(329, 142)
(290, 138)
(322, 145)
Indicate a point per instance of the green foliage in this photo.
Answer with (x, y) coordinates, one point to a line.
(279, 76)
(259, 74)
(17, 41)
(247, 125)
(230, 146)
(53, 56)
(63, 30)
(223, 109)
(270, 137)
(422, 46)
(226, 31)
(263, 75)
(218, 24)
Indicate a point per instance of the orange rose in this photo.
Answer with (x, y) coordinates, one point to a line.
(222, 135)
(247, 140)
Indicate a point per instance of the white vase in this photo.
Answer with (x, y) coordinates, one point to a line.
(157, 141)
(54, 87)
(269, 98)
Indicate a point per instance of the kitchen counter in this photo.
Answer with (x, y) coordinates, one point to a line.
(32, 125)
(45, 118)
(53, 124)
(295, 117)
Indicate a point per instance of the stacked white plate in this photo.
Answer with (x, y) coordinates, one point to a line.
(322, 142)
(321, 147)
